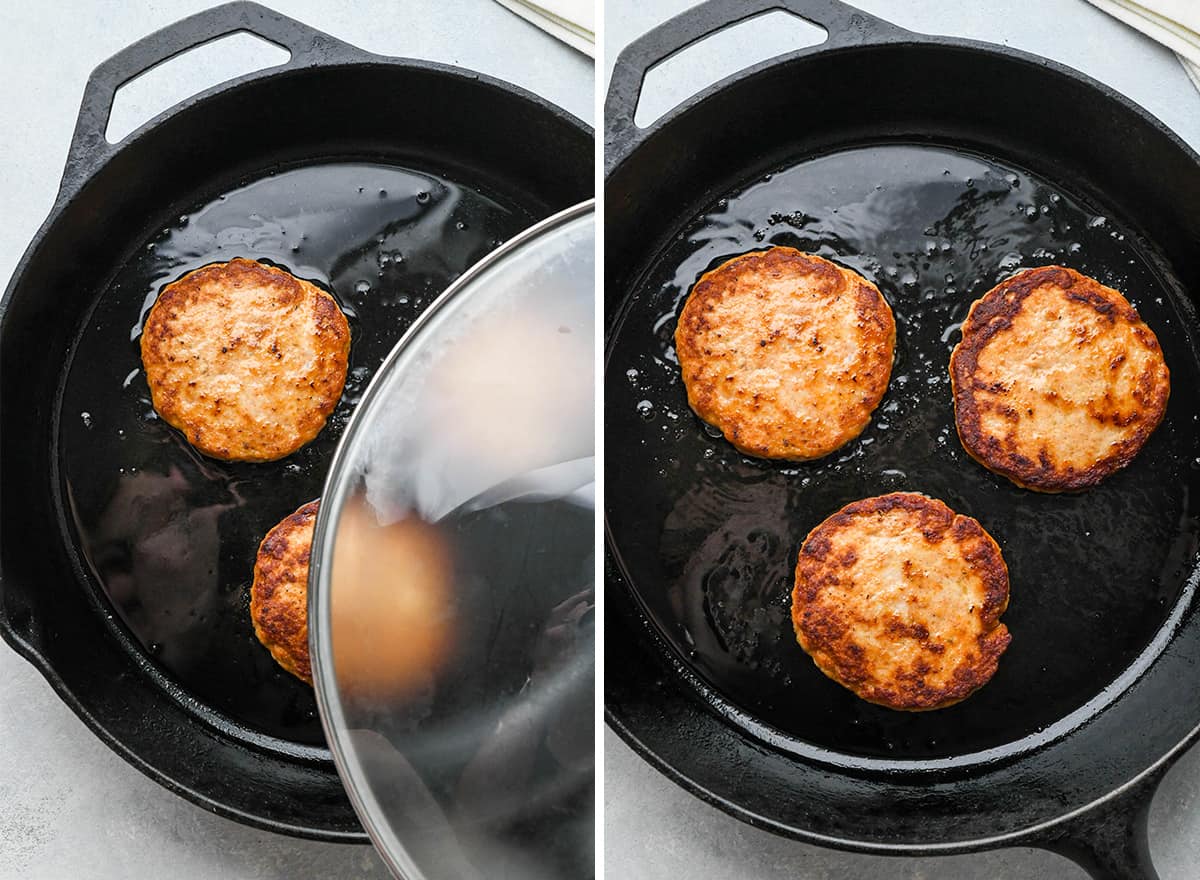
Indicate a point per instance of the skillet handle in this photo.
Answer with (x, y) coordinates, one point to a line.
(90, 148)
(1112, 841)
(845, 25)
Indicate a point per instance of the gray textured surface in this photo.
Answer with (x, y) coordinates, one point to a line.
(72, 808)
(656, 831)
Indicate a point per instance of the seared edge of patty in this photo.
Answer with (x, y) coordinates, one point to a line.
(279, 593)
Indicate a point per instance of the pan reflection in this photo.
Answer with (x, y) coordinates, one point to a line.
(152, 534)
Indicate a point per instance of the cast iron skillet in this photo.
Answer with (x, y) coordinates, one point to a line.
(698, 536)
(329, 101)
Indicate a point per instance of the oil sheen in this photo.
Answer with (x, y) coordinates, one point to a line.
(171, 536)
(708, 537)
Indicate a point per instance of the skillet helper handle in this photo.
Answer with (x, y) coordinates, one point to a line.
(1112, 841)
(90, 148)
(846, 26)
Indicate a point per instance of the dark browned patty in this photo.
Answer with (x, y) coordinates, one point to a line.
(1057, 381)
(787, 353)
(898, 598)
(279, 594)
(245, 359)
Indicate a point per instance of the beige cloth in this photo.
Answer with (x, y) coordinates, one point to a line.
(572, 21)
(1174, 23)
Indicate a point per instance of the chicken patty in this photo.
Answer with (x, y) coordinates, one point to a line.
(786, 353)
(279, 594)
(245, 359)
(898, 598)
(1057, 381)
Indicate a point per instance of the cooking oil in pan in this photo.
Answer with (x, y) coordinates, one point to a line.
(170, 535)
(708, 537)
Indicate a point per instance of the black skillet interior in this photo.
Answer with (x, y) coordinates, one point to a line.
(877, 151)
(149, 510)
(416, 171)
(934, 229)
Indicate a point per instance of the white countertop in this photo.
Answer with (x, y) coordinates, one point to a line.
(70, 806)
(654, 830)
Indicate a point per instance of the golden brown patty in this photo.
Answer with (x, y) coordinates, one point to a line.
(279, 594)
(787, 353)
(247, 360)
(899, 599)
(1057, 382)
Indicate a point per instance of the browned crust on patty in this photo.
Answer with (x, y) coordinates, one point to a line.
(245, 359)
(786, 353)
(898, 599)
(1090, 433)
(279, 594)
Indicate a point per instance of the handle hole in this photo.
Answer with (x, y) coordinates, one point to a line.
(178, 78)
(705, 62)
